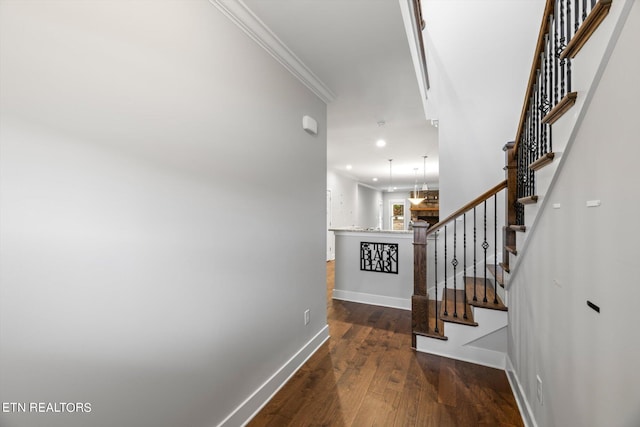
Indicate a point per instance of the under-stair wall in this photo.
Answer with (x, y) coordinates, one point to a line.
(572, 363)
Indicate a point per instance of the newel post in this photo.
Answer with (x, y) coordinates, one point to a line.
(419, 300)
(511, 174)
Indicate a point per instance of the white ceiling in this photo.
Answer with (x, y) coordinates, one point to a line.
(359, 50)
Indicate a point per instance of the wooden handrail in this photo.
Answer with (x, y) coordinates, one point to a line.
(420, 25)
(544, 29)
(475, 202)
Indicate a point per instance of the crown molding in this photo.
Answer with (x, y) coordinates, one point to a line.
(248, 22)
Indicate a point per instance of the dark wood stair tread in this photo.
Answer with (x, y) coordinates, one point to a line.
(433, 306)
(520, 228)
(455, 300)
(528, 200)
(479, 292)
(561, 107)
(542, 161)
(498, 273)
(505, 267)
(586, 29)
(511, 249)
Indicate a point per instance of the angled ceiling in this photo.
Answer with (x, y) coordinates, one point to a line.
(359, 50)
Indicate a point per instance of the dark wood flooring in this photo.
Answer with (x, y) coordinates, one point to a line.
(367, 375)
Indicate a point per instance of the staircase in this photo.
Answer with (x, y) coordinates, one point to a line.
(463, 314)
(460, 304)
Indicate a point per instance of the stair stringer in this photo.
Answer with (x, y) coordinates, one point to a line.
(461, 338)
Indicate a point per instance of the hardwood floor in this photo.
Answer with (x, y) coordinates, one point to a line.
(367, 375)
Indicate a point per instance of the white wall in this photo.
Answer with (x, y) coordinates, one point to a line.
(586, 360)
(369, 201)
(344, 200)
(352, 205)
(479, 86)
(149, 267)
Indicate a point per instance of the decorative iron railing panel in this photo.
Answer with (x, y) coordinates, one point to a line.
(457, 261)
(550, 91)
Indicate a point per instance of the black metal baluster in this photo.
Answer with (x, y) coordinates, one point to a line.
(543, 101)
(568, 59)
(560, 49)
(464, 264)
(475, 263)
(549, 84)
(534, 118)
(454, 262)
(532, 151)
(593, 3)
(555, 56)
(584, 10)
(519, 191)
(495, 245)
(435, 270)
(528, 153)
(549, 137)
(540, 112)
(445, 272)
(538, 118)
(525, 158)
(576, 17)
(550, 63)
(485, 246)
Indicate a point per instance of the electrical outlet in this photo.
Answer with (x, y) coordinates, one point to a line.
(539, 389)
(307, 316)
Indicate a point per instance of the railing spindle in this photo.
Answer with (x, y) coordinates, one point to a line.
(435, 275)
(584, 10)
(560, 49)
(446, 313)
(464, 264)
(568, 59)
(485, 246)
(545, 101)
(475, 263)
(454, 262)
(534, 119)
(555, 57)
(532, 153)
(495, 246)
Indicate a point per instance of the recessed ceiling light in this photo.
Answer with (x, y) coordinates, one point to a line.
(375, 179)
(381, 143)
(349, 167)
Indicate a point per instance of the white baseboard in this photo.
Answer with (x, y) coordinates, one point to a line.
(259, 398)
(363, 298)
(521, 398)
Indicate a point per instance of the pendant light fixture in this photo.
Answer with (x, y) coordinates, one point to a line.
(390, 179)
(416, 199)
(424, 174)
